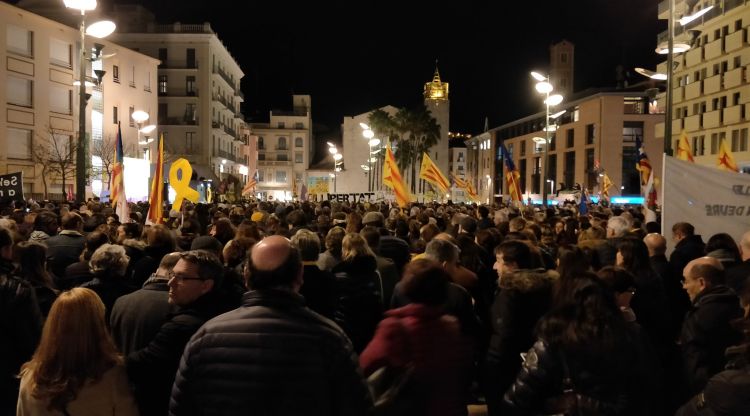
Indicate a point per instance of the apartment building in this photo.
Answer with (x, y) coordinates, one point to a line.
(598, 129)
(198, 86)
(284, 150)
(711, 90)
(39, 103)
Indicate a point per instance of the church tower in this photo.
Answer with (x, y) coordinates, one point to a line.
(437, 101)
(561, 56)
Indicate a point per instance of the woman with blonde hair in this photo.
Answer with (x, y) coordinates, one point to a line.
(76, 369)
(359, 291)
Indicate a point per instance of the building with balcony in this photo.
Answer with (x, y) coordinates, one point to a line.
(284, 150)
(711, 90)
(198, 85)
(39, 102)
(598, 128)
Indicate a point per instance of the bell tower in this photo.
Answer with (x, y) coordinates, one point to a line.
(436, 99)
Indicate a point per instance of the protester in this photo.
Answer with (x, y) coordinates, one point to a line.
(76, 370)
(108, 265)
(319, 286)
(65, 248)
(31, 259)
(275, 341)
(78, 273)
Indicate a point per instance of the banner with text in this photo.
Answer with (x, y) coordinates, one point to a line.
(11, 187)
(712, 200)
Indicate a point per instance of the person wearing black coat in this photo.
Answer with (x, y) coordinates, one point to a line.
(688, 246)
(523, 297)
(65, 248)
(359, 305)
(193, 289)
(707, 331)
(739, 273)
(108, 265)
(159, 242)
(319, 286)
(271, 356)
(20, 325)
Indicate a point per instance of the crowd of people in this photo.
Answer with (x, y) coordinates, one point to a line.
(301, 308)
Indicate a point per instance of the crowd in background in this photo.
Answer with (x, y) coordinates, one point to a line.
(288, 308)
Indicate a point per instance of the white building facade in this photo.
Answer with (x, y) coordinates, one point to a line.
(39, 103)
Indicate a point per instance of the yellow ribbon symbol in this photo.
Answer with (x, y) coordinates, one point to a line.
(181, 185)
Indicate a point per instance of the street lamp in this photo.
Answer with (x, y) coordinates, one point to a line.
(338, 161)
(99, 30)
(543, 86)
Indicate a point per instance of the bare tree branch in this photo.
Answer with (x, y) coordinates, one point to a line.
(105, 150)
(55, 151)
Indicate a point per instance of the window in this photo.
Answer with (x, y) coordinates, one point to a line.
(281, 124)
(60, 53)
(19, 144)
(163, 113)
(162, 84)
(590, 172)
(261, 156)
(570, 138)
(190, 85)
(281, 176)
(564, 58)
(570, 168)
(147, 85)
(190, 58)
(261, 174)
(60, 100)
(260, 143)
(299, 143)
(19, 40)
(163, 57)
(282, 157)
(190, 113)
(130, 116)
(299, 126)
(19, 91)
(698, 145)
(522, 145)
(116, 73)
(714, 143)
(282, 144)
(190, 142)
(298, 157)
(114, 115)
(552, 168)
(132, 77)
(552, 141)
(589, 134)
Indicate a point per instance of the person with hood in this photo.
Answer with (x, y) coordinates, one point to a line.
(707, 330)
(523, 297)
(359, 291)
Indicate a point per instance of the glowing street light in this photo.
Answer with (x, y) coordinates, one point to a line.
(544, 86)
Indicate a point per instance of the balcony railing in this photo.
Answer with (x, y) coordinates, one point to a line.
(239, 93)
(223, 100)
(719, 9)
(178, 121)
(230, 131)
(224, 76)
(178, 93)
(178, 65)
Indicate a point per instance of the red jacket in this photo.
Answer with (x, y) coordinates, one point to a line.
(433, 343)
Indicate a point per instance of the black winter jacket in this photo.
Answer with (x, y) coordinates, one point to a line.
(706, 333)
(20, 330)
(64, 250)
(359, 306)
(689, 248)
(136, 317)
(152, 368)
(271, 356)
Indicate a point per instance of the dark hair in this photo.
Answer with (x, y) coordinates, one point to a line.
(372, 236)
(209, 265)
(483, 211)
(132, 229)
(282, 276)
(296, 218)
(31, 258)
(71, 221)
(224, 230)
(45, 221)
(616, 279)
(588, 324)
(684, 228)
(634, 255)
(425, 281)
(573, 265)
(93, 241)
(723, 241)
(6, 238)
(515, 251)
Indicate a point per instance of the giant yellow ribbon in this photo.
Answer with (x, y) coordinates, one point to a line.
(181, 185)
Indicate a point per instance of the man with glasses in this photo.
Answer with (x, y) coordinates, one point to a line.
(707, 330)
(192, 291)
(272, 355)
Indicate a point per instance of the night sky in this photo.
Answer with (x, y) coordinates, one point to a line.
(354, 56)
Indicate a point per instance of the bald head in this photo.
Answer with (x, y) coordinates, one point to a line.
(274, 263)
(656, 243)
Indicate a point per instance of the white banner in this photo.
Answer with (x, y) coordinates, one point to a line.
(712, 200)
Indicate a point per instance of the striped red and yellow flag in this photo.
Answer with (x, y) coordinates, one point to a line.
(117, 181)
(432, 174)
(726, 160)
(156, 198)
(251, 183)
(392, 178)
(684, 152)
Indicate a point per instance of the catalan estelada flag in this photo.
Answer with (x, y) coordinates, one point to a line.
(606, 184)
(466, 186)
(644, 165)
(684, 152)
(432, 174)
(512, 177)
(117, 181)
(392, 178)
(156, 197)
(251, 183)
(726, 160)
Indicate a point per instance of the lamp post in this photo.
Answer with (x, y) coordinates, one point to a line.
(543, 86)
(99, 30)
(338, 161)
